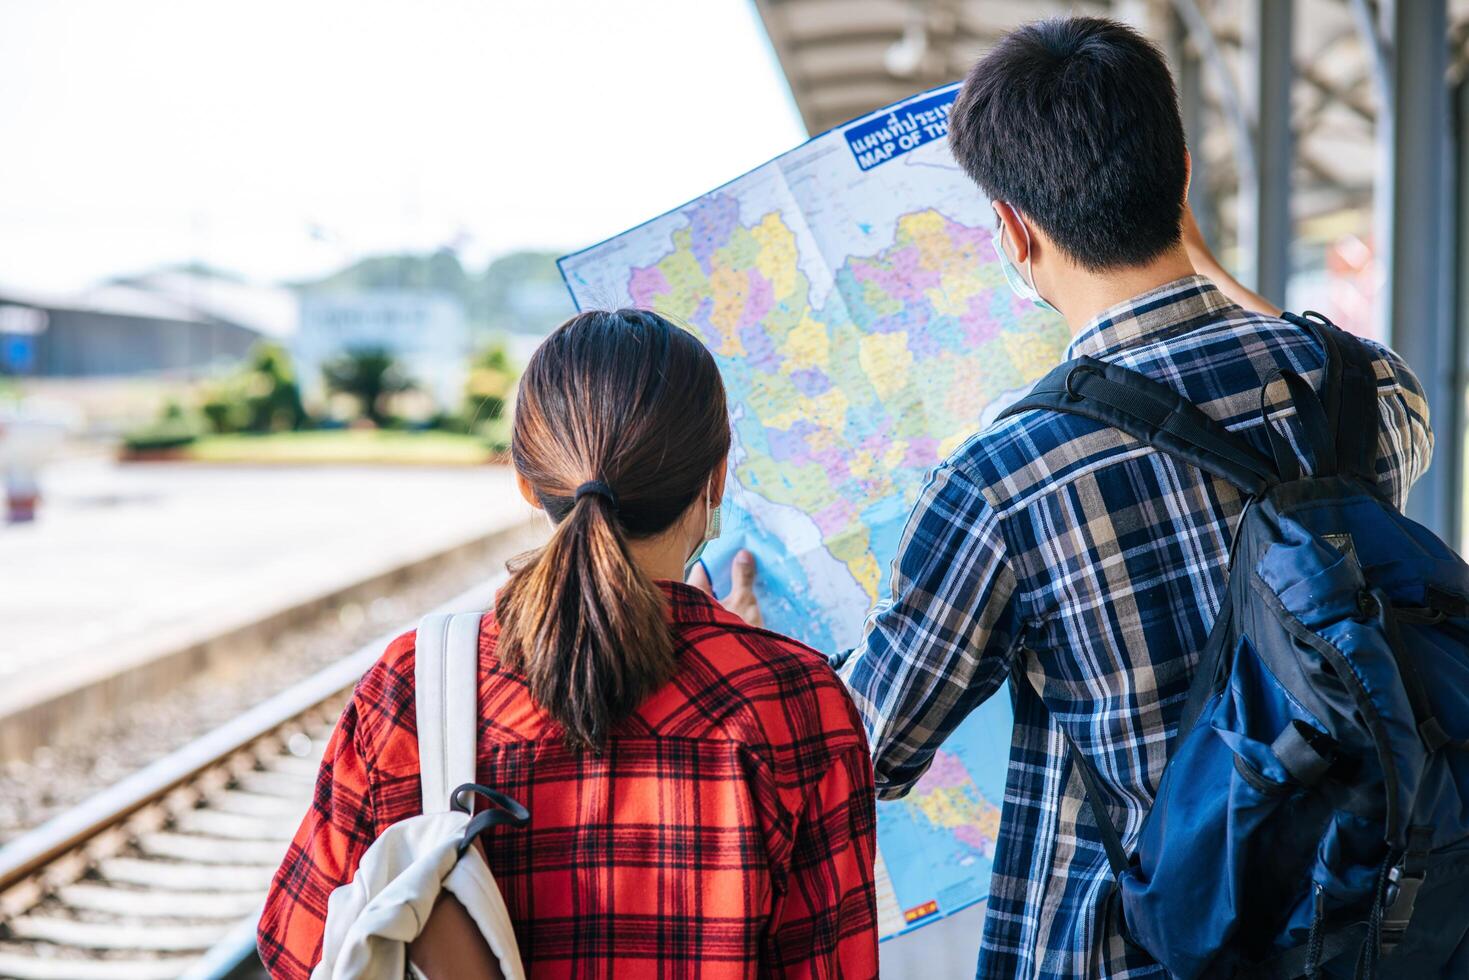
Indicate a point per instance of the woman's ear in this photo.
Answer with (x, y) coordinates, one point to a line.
(527, 491)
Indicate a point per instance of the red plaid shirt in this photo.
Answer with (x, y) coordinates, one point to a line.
(727, 830)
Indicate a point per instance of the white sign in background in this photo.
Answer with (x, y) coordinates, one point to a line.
(426, 332)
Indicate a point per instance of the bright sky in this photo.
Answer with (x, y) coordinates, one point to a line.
(150, 131)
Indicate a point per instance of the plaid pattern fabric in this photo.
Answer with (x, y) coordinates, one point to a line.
(727, 830)
(1096, 565)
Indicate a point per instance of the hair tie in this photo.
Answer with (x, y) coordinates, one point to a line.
(599, 489)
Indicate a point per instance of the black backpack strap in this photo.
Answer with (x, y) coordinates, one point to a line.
(1349, 393)
(1209, 671)
(1090, 781)
(1111, 839)
(1316, 429)
(1152, 413)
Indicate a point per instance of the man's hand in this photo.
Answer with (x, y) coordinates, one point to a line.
(741, 599)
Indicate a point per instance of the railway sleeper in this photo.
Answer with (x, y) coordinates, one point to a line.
(45, 962)
(112, 899)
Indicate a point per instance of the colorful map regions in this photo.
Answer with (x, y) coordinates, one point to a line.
(938, 842)
(851, 296)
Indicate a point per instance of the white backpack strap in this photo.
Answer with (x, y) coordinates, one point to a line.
(446, 699)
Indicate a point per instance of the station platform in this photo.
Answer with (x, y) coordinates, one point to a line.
(128, 563)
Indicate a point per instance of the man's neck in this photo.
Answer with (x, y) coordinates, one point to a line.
(1086, 293)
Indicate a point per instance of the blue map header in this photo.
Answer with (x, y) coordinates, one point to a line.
(903, 129)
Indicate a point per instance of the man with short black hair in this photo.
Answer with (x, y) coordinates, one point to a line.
(1061, 553)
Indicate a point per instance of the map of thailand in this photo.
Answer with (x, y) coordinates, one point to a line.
(851, 296)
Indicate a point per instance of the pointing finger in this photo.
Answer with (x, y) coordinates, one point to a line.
(742, 571)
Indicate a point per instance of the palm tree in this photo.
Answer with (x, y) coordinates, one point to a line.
(369, 374)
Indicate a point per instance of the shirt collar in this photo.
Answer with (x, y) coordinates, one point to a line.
(690, 606)
(1164, 311)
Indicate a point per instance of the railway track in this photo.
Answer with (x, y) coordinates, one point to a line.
(163, 874)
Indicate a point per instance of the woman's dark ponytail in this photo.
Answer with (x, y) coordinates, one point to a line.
(620, 422)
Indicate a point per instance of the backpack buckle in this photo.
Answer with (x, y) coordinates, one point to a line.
(1072, 394)
(1402, 892)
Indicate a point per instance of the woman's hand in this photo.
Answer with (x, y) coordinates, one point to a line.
(741, 599)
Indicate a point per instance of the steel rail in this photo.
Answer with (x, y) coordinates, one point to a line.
(231, 957)
(33, 850)
(68, 837)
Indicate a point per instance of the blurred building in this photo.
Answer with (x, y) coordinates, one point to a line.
(168, 324)
(270, 312)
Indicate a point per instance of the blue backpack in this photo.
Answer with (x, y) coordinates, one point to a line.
(1313, 819)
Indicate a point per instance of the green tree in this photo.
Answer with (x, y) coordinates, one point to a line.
(487, 389)
(438, 271)
(272, 397)
(370, 375)
(222, 403)
(260, 396)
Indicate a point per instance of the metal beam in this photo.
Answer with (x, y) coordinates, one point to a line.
(1265, 215)
(1365, 15)
(1245, 151)
(775, 30)
(1344, 95)
(1189, 69)
(1204, 39)
(1458, 298)
(1414, 229)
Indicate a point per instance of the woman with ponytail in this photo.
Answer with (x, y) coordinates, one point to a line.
(700, 795)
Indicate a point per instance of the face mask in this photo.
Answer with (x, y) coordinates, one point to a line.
(1024, 289)
(711, 527)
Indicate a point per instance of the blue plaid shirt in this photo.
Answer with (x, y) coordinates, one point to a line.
(1054, 545)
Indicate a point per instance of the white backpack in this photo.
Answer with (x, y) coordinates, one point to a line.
(371, 920)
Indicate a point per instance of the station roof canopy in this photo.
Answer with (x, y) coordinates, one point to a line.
(846, 57)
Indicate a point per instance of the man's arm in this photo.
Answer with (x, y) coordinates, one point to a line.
(1405, 438)
(943, 641)
(1206, 265)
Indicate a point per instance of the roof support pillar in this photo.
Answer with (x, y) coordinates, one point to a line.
(1188, 69)
(1415, 231)
(1265, 213)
